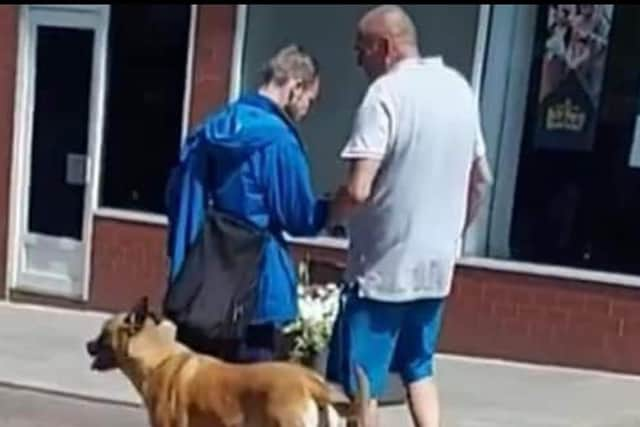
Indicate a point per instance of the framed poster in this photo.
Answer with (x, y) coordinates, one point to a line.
(573, 66)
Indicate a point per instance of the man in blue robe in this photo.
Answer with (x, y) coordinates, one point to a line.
(248, 160)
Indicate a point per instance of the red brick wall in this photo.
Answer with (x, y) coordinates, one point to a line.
(128, 263)
(8, 59)
(546, 320)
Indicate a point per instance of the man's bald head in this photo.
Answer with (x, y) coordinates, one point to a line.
(386, 35)
(389, 21)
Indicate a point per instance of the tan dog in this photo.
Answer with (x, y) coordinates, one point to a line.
(181, 388)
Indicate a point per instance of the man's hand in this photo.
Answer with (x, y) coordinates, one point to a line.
(354, 193)
(341, 207)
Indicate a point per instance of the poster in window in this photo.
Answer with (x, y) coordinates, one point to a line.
(634, 155)
(573, 68)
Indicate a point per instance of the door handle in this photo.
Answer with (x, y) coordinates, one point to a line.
(77, 172)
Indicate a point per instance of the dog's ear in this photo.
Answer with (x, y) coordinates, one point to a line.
(138, 313)
(157, 318)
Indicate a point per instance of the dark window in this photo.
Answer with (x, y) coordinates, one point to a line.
(144, 115)
(60, 130)
(577, 199)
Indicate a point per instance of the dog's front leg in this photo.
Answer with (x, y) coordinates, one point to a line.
(161, 417)
(180, 421)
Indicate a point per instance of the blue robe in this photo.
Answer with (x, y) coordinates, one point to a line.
(248, 160)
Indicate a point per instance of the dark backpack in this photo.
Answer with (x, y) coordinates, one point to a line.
(212, 298)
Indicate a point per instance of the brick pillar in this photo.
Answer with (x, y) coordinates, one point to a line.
(213, 52)
(8, 59)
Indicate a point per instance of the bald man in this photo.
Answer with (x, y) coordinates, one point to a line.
(417, 172)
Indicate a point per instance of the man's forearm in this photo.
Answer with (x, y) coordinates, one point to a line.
(479, 183)
(356, 190)
(474, 200)
(342, 206)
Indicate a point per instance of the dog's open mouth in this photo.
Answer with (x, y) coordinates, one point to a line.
(103, 362)
(103, 358)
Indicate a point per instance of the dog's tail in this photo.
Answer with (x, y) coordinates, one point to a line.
(318, 388)
(321, 394)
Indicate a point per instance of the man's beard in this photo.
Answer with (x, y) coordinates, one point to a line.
(290, 109)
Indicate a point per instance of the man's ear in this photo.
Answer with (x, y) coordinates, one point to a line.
(384, 44)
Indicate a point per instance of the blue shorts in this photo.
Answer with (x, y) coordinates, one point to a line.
(383, 337)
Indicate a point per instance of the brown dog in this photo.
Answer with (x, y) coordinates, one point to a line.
(181, 388)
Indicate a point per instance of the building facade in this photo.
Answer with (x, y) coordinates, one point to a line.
(549, 272)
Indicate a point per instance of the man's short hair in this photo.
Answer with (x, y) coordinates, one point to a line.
(291, 62)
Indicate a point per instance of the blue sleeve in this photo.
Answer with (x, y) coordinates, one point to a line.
(290, 196)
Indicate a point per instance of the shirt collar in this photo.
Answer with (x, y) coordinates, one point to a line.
(408, 62)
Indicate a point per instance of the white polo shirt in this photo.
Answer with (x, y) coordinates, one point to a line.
(420, 119)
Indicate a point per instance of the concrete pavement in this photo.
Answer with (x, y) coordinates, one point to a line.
(23, 408)
(43, 349)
